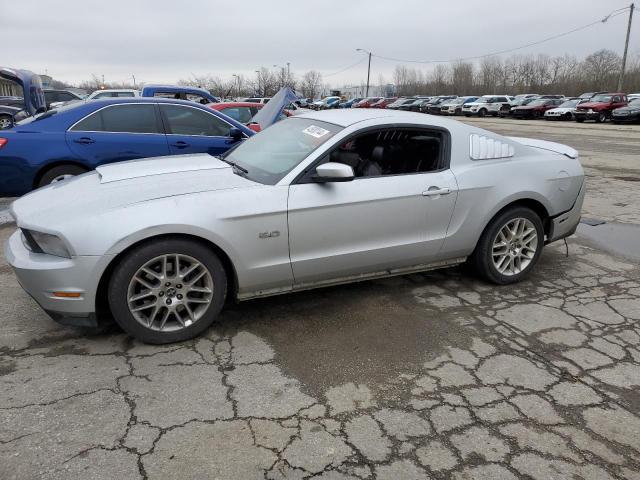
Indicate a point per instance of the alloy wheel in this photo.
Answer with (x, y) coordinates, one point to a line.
(514, 246)
(5, 122)
(170, 292)
(60, 178)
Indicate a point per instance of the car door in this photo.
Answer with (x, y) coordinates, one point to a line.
(368, 225)
(118, 132)
(194, 130)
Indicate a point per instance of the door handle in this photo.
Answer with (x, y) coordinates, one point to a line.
(84, 140)
(180, 144)
(435, 191)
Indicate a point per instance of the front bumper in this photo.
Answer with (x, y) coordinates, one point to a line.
(40, 275)
(586, 115)
(566, 223)
(633, 118)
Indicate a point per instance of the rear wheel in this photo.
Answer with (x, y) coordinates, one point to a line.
(509, 247)
(168, 290)
(59, 173)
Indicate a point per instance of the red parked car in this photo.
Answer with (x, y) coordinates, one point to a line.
(599, 108)
(384, 102)
(535, 108)
(241, 112)
(367, 102)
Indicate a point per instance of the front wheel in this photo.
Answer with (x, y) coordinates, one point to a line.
(509, 247)
(482, 112)
(168, 290)
(602, 117)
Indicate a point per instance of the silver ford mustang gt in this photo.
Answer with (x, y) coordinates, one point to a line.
(319, 199)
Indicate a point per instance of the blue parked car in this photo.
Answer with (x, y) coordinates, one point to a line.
(32, 101)
(80, 136)
(178, 92)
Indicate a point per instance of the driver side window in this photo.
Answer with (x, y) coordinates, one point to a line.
(393, 152)
(183, 120)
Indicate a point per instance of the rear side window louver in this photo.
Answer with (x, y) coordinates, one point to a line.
(485, 148)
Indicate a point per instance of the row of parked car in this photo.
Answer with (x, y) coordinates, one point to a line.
(597, 106)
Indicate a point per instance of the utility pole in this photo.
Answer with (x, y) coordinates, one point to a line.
(626, 47)
(368, 68)
(288, 73)
(134, 80)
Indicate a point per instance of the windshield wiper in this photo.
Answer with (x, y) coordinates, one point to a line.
(234, 165)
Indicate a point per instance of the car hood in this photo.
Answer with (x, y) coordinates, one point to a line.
(562, 110)
(592, 105)
(121, 184)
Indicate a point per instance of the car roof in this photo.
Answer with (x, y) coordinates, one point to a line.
(348, 117)
(221, 105)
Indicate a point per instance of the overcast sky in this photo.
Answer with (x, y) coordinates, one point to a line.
(165, 40)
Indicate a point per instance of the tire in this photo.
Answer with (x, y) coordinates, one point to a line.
(173, 318)
(483, 260)
(602, 117)
(482, 112)
(568, 116)
(579, 120)
(467, 114)
(60, 172)
(5, 121)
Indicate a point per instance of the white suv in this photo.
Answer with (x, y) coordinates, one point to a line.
(488, 105)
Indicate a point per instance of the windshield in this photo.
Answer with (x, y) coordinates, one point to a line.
(602, 98)
(569, 104)
(49, 113)
(277, 150)
(537, 103)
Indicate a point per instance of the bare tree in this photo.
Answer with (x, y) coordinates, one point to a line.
(602, 67)
(311, 84)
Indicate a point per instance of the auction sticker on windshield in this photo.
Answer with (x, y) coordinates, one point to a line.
(314, 131)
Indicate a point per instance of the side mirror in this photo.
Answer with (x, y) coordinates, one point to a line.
(254, 126)
(333, 172)
(235, 133)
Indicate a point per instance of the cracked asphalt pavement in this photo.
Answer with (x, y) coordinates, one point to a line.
(435, 375)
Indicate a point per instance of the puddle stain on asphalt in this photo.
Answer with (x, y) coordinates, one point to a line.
(365, 333)
(616, 238)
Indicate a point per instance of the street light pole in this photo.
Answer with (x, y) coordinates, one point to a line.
(238, 79)
(626, 47)
(259, 89)
(368, 68)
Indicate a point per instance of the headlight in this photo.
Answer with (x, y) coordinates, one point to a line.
(590, 110)
(39, 242)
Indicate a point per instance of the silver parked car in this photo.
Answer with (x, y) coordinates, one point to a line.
(319, 199)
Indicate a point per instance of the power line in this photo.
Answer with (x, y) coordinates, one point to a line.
(612, 14)
(346, 68)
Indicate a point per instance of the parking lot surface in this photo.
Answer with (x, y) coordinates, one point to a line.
(435, 375)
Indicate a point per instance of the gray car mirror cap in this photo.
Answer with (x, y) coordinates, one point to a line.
(333, 172)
